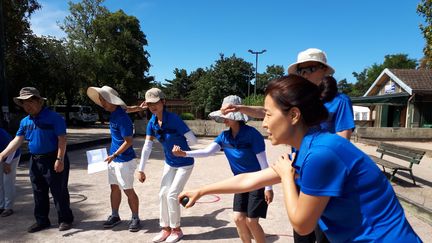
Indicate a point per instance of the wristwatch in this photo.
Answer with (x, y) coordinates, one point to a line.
(59, 159)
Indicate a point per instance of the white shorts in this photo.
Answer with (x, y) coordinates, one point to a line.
(122, 174)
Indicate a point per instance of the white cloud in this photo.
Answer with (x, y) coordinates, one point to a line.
(44, 21)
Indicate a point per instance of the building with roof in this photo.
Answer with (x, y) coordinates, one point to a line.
(400, 98)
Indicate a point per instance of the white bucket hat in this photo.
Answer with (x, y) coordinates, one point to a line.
(109, 94)
(26, 93)
(236, 116)
(311, 55)
(153, 95)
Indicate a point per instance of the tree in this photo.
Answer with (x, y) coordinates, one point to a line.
(366, 78)
(121, 54)
(113, 47)
(424, 9)
(81, 34)
(272, 72)
(227, 77)
(344, 86)
(180, 86)
(79, 25)
(17, 31)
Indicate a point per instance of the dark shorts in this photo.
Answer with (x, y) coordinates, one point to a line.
(252, 203)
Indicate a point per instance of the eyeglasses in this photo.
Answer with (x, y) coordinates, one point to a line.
(308, 70)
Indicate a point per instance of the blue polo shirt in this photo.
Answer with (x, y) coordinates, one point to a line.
(341, 116)
(42, 131)
(241, 151)
(171, 133)
(5, 139)
(120, 127)
(363, 206)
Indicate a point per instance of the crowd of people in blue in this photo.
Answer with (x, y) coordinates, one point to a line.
(332, 191)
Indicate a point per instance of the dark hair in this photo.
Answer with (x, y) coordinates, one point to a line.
(329, 89)
(293, 90)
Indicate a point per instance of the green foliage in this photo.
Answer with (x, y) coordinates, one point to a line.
(79, 25)
(187, 116)
(226, 77)
(254, 100)
(272, 72)
(344, 86)
(120, 52)
(424, 9)
(112, 47)
(16, 19)
(180, 86)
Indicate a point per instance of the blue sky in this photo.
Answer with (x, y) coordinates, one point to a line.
(191, 33)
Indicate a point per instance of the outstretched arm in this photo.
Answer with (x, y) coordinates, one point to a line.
(240, 183)
(190, 138)
(252, 111)
(209, 150)
(12, 146)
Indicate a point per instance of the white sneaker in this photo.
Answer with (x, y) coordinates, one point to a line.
(176, 235)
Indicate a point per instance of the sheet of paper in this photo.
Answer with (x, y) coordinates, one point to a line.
(95, 160)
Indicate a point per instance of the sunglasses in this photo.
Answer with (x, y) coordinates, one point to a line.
(308, 70)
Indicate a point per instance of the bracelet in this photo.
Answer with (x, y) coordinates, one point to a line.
(115, 155)
(59, 159)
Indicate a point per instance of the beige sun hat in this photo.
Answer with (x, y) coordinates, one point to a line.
(109, 94)
(311, 55)
(26, 93)
(153, 95)
(236, 116)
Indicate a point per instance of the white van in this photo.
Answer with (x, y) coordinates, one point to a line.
(78, 114)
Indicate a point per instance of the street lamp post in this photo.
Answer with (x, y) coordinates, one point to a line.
(256, 53)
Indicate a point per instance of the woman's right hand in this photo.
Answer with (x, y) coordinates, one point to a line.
(225, 109)
(143, 105)
(192, 195)
(284, 168)
(141, 176)
(177, 151)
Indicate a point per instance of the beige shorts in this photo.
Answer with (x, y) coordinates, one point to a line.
(122, 174)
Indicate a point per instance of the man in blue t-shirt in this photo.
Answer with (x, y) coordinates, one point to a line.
(121, 159)
(45, 132)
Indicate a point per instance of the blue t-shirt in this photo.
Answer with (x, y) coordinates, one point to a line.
(5, 139)
(42, 131)
(171, 133)
(241, 151)
(120, 127)
(363, 206)
(341, 116)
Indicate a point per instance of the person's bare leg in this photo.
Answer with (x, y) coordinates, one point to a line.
(256, 229)
(132, 200)
(115, 197)
(242, 228)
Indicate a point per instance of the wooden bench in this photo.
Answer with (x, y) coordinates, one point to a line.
(413, 156)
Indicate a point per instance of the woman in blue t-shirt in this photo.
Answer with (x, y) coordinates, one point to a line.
(341, 188)
(340, 111)
(244, 148)
(7, 176)
(169, 129)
